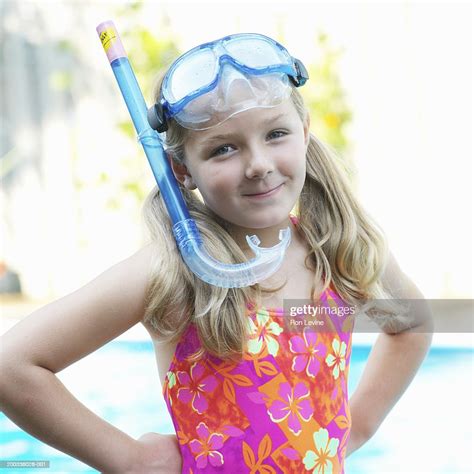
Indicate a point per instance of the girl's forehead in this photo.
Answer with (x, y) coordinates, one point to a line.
(245, 122)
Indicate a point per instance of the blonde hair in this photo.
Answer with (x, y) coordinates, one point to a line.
(347, 249)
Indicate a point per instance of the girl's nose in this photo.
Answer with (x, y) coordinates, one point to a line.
(258, 164)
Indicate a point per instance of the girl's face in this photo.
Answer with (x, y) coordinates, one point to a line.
(250, 170)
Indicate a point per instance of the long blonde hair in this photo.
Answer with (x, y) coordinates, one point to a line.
(347, 249)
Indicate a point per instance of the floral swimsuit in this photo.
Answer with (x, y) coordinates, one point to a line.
(282, 409)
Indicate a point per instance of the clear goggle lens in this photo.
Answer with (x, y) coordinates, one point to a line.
(256, 53)
(199, 67)
(196, 72)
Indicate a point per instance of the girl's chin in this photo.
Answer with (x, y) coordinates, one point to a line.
(264, 222)
(264, 218)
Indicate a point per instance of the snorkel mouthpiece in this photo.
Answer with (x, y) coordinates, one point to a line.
(186, 233)
(227, 275)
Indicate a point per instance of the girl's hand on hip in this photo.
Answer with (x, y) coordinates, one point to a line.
(156, 454)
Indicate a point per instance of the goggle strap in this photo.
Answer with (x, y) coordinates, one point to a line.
(156, 118)
(302, 74)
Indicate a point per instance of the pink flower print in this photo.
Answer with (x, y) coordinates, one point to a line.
(293, 404)
(194, 385)
(206, 447)
(338, 358)
(262, 333)
(308, 351)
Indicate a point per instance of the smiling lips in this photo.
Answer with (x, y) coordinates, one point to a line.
(265, 193)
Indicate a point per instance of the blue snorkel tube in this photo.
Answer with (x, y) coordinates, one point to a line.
(188, 238)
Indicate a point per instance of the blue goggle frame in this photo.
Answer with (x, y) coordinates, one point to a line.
(166, 108)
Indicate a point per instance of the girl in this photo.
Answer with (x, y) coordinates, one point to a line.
(247, 392)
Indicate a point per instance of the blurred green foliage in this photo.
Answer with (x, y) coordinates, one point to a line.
(150, 54)
(325, 97)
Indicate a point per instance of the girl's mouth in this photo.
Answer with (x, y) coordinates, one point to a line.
(271, 192)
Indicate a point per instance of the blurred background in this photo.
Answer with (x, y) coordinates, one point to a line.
(390, 89)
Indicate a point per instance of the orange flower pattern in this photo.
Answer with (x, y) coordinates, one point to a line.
(282, 409)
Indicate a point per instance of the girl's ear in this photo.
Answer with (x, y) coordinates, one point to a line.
(181, 173)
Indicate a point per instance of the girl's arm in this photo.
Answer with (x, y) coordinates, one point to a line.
(393, 362)
(54, 337)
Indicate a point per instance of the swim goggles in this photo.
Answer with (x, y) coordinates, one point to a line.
(215, 80)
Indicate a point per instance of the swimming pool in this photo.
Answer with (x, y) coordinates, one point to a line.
(429, 431)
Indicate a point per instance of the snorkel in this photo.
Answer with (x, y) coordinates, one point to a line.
(188, 239)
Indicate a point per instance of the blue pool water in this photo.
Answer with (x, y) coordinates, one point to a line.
(430, 430)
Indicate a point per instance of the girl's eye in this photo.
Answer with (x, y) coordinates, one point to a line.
(222, 150)
(276, 134)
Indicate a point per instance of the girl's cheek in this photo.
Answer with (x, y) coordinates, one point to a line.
(226, 176)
